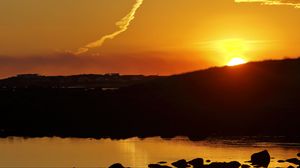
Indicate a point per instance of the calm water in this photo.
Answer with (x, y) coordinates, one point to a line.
(57, 152)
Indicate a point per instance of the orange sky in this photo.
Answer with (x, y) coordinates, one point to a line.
(163, 37)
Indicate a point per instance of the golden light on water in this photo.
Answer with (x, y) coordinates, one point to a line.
(134, 152)
(236, 61)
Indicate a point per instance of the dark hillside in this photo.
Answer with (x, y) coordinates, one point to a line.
(259, 98)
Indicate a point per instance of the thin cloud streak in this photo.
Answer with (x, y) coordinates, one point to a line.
(123, 25)
(295, 3)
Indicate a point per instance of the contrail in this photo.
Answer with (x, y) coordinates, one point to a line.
(123, 25)
(295, 3)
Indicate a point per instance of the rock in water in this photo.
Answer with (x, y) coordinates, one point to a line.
(162, 162)
(298, 154)
(117, 165)
(197, 163)
(233, 164)
(158, 166)
(245, 166)
(294, 161)
(180, 164)
(261, 159)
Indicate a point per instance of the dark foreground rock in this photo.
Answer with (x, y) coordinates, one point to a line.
(197, 163)
(162, 162)
(294, 161)
(158, 166)
(261, 159)
(117, 165)
(245, 166)
(180, 164)
(233, 164)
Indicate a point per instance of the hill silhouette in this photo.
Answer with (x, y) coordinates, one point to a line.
(89, 81)
(258, 98)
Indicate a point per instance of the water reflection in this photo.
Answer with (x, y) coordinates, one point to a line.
(137, 156)
(57, 152)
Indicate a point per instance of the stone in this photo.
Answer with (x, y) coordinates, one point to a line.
(294, 161)
(233, 164)
(158, 166)
(162, 162)
(245, 166)
(261, 159)
(117, 165)
(180, 164)
(197, 163)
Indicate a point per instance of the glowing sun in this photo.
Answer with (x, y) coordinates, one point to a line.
(236, 61)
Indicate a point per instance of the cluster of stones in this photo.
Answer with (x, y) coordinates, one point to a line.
(260, 159)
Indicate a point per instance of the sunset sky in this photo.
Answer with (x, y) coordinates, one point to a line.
(163, 36)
